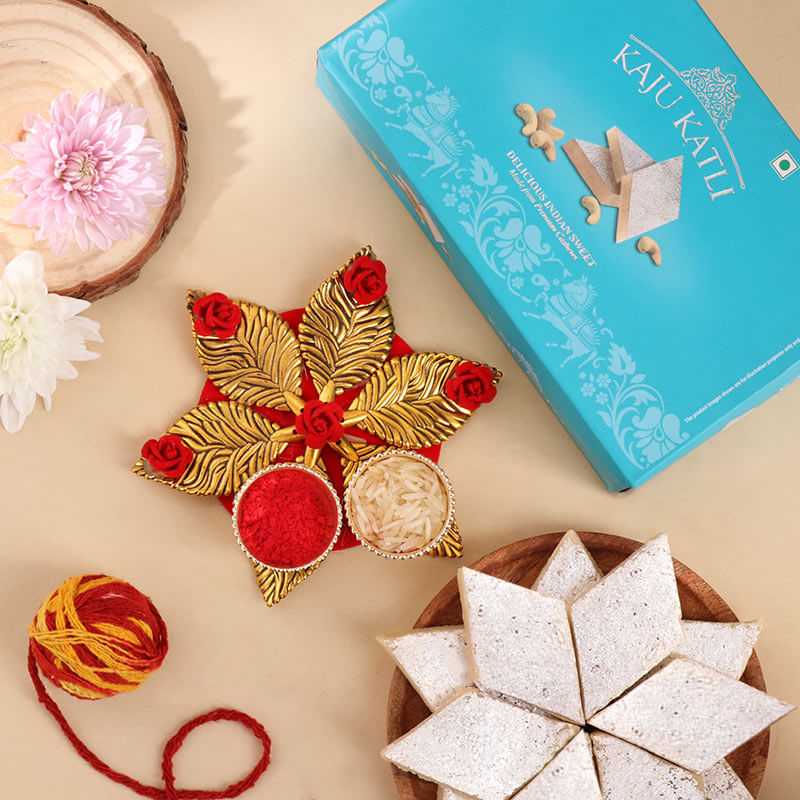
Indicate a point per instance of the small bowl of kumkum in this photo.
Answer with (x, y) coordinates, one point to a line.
(287, 517)
(399, 504)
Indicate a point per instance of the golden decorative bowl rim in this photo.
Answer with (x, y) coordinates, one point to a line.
(274, 468)
(443, 479)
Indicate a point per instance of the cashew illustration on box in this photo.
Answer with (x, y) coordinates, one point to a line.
(592, 205)
(545, 141)
(527, 113)
(538, 127)
(650, 246)
(545, 123)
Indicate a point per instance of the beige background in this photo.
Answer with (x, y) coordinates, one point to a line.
(279, 194)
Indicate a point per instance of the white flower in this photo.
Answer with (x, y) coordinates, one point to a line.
(40, 335)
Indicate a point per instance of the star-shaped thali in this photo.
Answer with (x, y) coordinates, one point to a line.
(585, 686)
(328, 387)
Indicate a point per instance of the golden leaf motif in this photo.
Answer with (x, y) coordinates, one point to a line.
(230, 443)
(450, 545)
(275, 584)
(342, 341)
(363, 452)
(258, 363)
(406, 404)
(318, 467)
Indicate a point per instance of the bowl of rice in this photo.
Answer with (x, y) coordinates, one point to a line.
(399, 504)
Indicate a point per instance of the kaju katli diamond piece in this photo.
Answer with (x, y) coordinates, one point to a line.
(722, 783)
(434, 660)
(519, 644)
(481, 746)
(630, 773)
(723, 646)
(646, 771)
(571, 774)
(626, 624)
(690, 714)
(446, 793)
(293, 396)
(569, 571)
(429, 657)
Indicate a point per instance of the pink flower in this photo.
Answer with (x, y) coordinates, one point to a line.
(89, 173)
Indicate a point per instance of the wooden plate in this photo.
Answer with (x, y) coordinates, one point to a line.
(46, 47)
(521, 563)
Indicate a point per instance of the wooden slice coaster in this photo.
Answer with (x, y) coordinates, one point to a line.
(521, 563)
(47, 47)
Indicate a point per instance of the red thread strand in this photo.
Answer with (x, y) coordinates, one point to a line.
(169, 792)
(84, 604)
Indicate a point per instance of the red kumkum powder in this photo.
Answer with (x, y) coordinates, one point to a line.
(287, 518)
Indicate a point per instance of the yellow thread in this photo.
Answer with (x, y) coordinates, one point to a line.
(120, 654)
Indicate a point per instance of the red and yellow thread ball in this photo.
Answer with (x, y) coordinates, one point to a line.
(96, 636)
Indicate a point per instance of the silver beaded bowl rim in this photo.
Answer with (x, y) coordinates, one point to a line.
(445, 481)
(274, 468)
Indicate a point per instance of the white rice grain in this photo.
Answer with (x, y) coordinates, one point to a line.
(398, 504)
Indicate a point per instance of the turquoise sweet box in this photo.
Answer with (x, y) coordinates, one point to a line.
(666, 138)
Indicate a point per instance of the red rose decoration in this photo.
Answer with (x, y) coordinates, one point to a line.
(471, 385)
(216, 315)
(320, 423)
(365, 279)
(168, 455)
